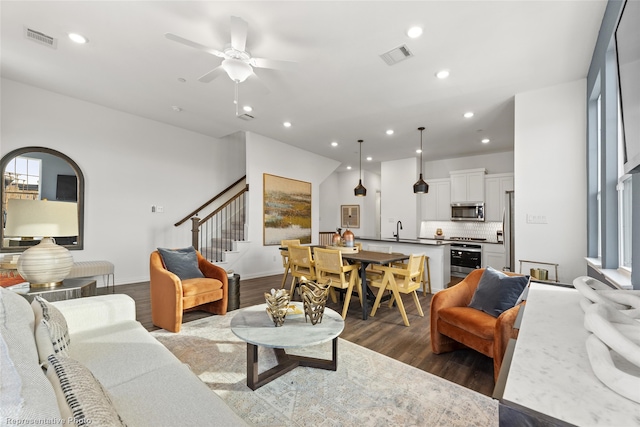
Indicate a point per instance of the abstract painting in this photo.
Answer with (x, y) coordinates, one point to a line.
(287, 210)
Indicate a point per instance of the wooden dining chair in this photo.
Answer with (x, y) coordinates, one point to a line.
(426, 276)
(302, 265)
(285, 258)
(373, 271)
(400, 280)
(330, 266)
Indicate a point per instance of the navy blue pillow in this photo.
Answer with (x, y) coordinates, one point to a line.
(497, 292)
(181, 262)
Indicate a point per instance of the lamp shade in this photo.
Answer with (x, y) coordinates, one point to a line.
(360, 191)
(45, 264)
(236, 69)
(420, 187)
(41, 218)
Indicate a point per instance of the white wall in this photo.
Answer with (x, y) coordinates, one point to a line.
(337, 190)
(493, 163)
(129, 164)
(265, 155)
(550, 177)
(399, 203)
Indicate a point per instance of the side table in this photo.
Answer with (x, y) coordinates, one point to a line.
(70, 288)
(234, 292)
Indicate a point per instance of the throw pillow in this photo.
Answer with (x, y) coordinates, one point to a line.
(181, 262)
(497, 292)
(51, 330)
(81, 397)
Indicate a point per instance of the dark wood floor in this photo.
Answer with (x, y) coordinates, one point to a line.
(385, 333)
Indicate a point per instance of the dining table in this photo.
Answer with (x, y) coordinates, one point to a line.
(366, 258)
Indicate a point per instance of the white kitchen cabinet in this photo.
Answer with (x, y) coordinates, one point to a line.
(467, 185)
(436, 204)
(495, 187)
(493, 255)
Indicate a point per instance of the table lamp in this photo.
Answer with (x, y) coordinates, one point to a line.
(45, 264)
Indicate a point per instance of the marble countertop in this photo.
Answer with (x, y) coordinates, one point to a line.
(550, 372)
(430, 242)
(253, 325)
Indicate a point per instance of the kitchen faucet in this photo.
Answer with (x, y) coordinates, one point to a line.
(398, 228)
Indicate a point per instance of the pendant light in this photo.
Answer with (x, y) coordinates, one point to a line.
(360, 191)
(421, 187)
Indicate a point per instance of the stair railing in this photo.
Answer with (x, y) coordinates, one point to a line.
(214, 234)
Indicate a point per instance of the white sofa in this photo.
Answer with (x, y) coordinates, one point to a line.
(147, 384)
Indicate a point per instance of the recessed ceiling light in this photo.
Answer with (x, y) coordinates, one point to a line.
(418, 151)
(389, 132)
(176, 108)
(334, 144)
(349, 168)
(442, 74)
(414, 32)
(247, 109)
(468, 115)
(287, 124)
(486, 141)
(78, 38)
(369, 158)
(182, 80)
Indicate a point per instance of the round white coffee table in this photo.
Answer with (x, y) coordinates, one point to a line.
(253, 325)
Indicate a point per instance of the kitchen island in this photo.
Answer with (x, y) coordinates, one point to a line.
(438, 251)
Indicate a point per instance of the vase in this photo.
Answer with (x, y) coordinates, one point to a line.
(314, 299)
(348, 238)
(277, 305)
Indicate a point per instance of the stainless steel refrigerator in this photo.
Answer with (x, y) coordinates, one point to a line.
(508, 231)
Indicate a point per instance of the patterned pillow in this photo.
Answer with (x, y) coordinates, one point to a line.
(81, 397)
(52, 333)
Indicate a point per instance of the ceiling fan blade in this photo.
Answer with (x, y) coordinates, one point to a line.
(195, 45)
(211, 75)
(239, 28)
(273, 64)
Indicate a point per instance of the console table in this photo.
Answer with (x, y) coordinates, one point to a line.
(546, 377)
(70, 288)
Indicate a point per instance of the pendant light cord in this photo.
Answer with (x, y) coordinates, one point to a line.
(360, 159)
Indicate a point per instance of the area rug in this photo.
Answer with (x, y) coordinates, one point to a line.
(368, 389)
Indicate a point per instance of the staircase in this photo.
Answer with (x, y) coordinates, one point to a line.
(218, 234)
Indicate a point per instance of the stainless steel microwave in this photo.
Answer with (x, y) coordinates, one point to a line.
(470, 211)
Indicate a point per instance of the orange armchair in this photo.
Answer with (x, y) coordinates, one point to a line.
(170, 296)
(455, 326)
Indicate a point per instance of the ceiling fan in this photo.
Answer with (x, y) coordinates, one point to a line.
(237, 62)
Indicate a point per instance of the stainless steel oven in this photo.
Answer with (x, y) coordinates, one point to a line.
(465, 257)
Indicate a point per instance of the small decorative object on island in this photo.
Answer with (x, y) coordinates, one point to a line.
(277, 305)
(314, 298)
(348, 238)
(336, 239)
(439, 234)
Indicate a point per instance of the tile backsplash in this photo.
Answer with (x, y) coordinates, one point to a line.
(481, 230)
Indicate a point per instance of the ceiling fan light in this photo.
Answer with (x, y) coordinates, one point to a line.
(237, 70)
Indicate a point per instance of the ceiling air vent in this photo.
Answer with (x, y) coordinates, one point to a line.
(40, 38)
(396, 55)
(246, 117)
